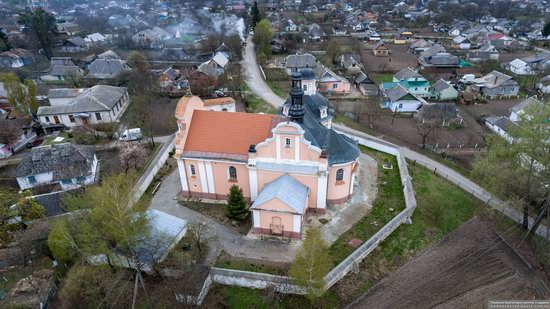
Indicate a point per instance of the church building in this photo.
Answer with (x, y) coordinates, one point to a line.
(287, 165)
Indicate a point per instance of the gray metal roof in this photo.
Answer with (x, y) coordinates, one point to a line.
(396, 92)
(77, 41)
(287, 168)
(64, 70)
(430, 52)
(531, 101)
(440, 85)
(301, 61)
(107, 68)
(64, 92)
(97, 98)
(406, 73)
(504, 123)
(65, 161)
(286, 189)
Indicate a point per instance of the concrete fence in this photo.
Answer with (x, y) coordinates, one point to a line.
(154, 166)
(284, 284)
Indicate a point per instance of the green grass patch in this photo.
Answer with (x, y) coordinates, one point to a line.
(9, 278)
(227, 261)
(350, 123)
(236, 297)
(256, 105)
(388, 204)
(442, 207)
(272, 74)
(49, 140)
(277, 89)
(382, 78)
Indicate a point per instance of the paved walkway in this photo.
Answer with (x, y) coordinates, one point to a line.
(253, 76)
(227, 239)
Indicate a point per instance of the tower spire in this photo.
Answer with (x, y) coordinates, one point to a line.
(296, 112)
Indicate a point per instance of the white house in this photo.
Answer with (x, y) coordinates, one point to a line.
(399, 100)
(519, 109)
(519, 67)
(69, 165)
(544, 85)
(501, 126)
(74, 107)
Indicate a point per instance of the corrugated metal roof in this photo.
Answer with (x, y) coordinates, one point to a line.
(286, 189)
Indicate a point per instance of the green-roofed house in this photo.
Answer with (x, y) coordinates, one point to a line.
(413, 82)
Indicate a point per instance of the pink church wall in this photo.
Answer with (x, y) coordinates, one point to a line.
(339, 192)
(193, 182)
(220, 171)
(309, 181)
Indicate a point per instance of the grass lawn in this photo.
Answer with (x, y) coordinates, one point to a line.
(227, 261)
(217, 212)
(49, 140)
(257, 105)
(348, 122)
(10, 277)
(221, 296)
(442, 207)
(390, 195)
(382, 78)
(278, 89)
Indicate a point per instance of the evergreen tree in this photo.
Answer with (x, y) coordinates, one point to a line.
(255, 12)
(4, 44)
(42, 24)
(236, 204)
(546, 29)
(311, 264)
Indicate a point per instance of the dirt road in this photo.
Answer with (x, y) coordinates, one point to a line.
(466, 269)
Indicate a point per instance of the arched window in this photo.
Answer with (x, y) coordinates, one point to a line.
(340, 175)
(192, 169)
(232, 172)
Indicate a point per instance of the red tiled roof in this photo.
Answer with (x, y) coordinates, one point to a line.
(219, 101)
(230, 133)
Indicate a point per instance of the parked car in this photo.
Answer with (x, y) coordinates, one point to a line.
(130, 135)
(37, 142)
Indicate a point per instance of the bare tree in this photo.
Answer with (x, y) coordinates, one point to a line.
(200, 238)
(427, 130)
(372, 114)
(10, 132)
(132, 155)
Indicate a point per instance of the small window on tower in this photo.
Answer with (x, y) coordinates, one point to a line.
(305, 87)
(287, 142)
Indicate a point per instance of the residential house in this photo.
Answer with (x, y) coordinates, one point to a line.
(74, 45)
(496, 84)
(151, 38)
(16, 58)
(500, 41)
(95, 38)
(419, 46)
(62, 69)
(315, 33)
(441, 114)
(399, 40)
(291, 26)
(107, 68)
(502, 126)
(461, 42)
(68, 165)
(351, 63)
(172, 83)
(529, 104)
(331, 83)
(108, 55)
(436, 56)
(339, 30)
(404, 33)
(519, 67)
(443, 91)
(68, 28)
(297, 62)
(538, 63)
(374, 36)
(366, 85)
(399, 100)
(410, 80)
(544, 85)
(215, 66)
(381, 49)
(484, 53)
(476, 32)
(287, 165)
(75, 107)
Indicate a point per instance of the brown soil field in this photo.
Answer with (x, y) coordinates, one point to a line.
(465, 269)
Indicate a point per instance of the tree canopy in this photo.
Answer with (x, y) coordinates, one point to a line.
(255, 15)
(21, 96)
(263, 36)
(43, 26)
(311, 264)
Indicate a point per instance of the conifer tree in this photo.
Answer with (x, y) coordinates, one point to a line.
(255, 12)
(236, 204)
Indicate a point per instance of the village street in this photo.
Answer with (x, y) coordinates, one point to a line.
(256, 83)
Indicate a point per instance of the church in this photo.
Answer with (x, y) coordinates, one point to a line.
(287, 165)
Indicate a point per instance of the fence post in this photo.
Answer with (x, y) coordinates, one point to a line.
(435, 169)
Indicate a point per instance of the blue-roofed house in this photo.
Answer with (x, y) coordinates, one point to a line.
(413, 82)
